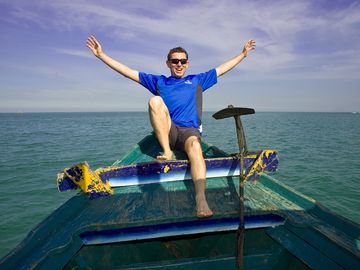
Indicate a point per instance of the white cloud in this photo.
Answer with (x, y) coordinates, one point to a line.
(34, 69)
(218, 28)
(299, 40)
(71, 52)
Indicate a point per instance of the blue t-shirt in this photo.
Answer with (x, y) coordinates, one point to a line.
(182, 96)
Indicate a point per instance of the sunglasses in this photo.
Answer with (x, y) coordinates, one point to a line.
(176, 61)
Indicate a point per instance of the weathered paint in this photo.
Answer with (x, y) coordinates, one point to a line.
(56, 243)
(166, 171)
(84, 178)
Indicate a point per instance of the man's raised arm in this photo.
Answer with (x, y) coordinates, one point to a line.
(228, 65)
(124, 70)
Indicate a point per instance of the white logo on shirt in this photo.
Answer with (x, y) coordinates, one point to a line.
(188, 82)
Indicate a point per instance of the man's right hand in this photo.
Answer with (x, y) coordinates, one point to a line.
(124, 70)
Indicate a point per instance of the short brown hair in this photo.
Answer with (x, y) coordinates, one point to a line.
(177, 50)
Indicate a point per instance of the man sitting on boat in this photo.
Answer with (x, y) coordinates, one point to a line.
(175, 110)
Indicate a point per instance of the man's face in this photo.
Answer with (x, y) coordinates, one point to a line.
(178, 68)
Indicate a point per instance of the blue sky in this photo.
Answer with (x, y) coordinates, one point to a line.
(307, 56)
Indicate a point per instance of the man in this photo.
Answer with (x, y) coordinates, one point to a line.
(175, 110)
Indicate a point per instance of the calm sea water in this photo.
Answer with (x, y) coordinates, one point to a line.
(319, 156)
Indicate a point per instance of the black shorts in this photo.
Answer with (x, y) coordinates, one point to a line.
(178, 136)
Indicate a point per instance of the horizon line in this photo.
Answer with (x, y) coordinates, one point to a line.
(145, 111)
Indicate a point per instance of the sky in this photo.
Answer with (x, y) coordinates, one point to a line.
(307, 56)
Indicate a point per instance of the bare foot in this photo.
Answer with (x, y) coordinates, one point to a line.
(202, 208)
(166, 156)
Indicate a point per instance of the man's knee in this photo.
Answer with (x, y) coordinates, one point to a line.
(156, 103)
(192, 145)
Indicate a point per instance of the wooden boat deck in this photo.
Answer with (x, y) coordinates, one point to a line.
(311, 238)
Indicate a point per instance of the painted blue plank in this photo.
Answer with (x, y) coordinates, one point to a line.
(158, 172)
(175, 170)
(313, 257)
(150, 173)
(178, 229)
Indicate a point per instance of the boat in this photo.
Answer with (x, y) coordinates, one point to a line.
(139, 213)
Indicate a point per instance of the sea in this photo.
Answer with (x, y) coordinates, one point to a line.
(319, 156)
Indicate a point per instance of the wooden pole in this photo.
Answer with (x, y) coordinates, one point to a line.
(241, 231)
(236, 112)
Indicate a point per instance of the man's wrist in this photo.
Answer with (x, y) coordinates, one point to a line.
(101, 55)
